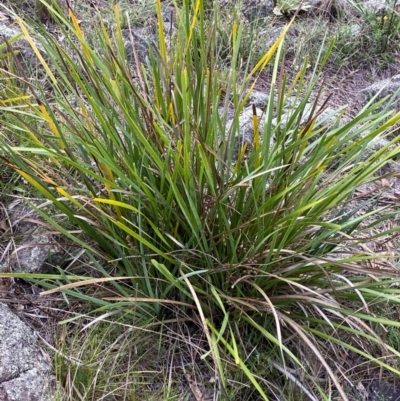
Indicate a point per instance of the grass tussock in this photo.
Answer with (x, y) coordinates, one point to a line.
(182, 217)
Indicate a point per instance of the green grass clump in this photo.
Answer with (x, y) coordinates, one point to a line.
(142, 164)
(370, 37)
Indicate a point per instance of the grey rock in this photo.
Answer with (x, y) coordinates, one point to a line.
(25, 372)
(378, 7)
(32, 254)
(246, 130)
(351, 30)
(327, 117)
(385, 87)
(358, 8)
(227, 114)
(168, 16)
(253, 10)
(25, 55)
(141, 37)
(316, 4)
(259, 99)
(377, 144)
(137, 38)
(33, 251)
(271, 36)
(380, 391)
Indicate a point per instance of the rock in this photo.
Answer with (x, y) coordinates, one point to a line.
(142, 36)
(256, 9)
(26, 56)
(327, 117)
(42, 10)
(25, 371)
(246, 130)
(385, 87)
(351, 30)
(378, 7)
(379, 391)
(316, 5)
(33, 252)
(259, 99)
(271, 36)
